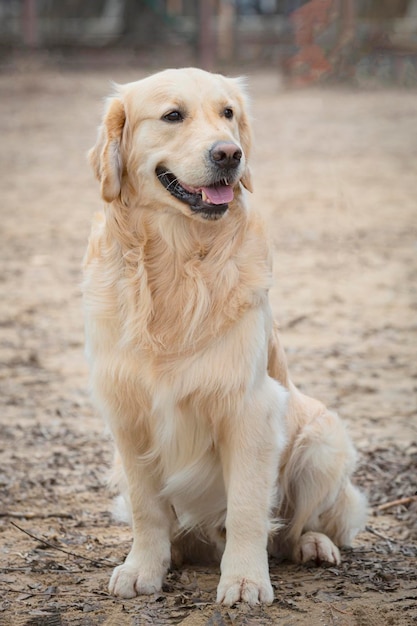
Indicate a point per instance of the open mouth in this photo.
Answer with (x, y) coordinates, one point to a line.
(211, 202)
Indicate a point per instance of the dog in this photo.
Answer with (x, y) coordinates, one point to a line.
(216, 448)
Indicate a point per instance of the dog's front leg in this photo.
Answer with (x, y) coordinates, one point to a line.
(145, 566)
(249, 454)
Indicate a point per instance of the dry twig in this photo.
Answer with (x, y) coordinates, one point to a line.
(55, 547)
(390, 505)
(30, 515)
(378, 534)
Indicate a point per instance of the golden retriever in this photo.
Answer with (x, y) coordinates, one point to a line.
(214, 443)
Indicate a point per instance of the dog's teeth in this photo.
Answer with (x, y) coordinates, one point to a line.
(204, 196)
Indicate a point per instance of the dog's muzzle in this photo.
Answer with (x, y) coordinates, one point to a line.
(210, 201)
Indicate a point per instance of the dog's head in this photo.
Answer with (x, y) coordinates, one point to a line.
(179, 139)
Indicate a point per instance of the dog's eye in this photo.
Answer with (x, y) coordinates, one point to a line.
(173, 116)
(228, 113)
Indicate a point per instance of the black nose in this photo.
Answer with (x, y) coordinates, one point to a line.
(225, 154)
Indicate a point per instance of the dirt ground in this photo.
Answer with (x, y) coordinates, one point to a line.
(335, 175)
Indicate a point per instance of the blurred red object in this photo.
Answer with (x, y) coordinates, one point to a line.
(311, 63)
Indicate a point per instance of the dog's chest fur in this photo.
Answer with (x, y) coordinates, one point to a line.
(189, 330)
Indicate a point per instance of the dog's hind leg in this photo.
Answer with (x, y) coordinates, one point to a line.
(333, 528)
(322, 508)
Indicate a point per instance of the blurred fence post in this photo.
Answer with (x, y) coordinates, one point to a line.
(30, 23)
(206, 39)
(226, 37)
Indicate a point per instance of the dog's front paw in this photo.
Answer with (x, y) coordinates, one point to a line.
(127, 582)
(232, 590)
(317, 548)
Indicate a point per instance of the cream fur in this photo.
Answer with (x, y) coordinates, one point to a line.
(213, 440)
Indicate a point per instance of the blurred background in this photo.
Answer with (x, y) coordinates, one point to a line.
(308, 41)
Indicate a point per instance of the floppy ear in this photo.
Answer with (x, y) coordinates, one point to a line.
(106, 157)
(246, 179)
(245, 132)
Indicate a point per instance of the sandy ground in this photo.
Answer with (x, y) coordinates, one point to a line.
(335, 176)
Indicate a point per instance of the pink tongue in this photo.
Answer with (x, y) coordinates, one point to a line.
(221, 194)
